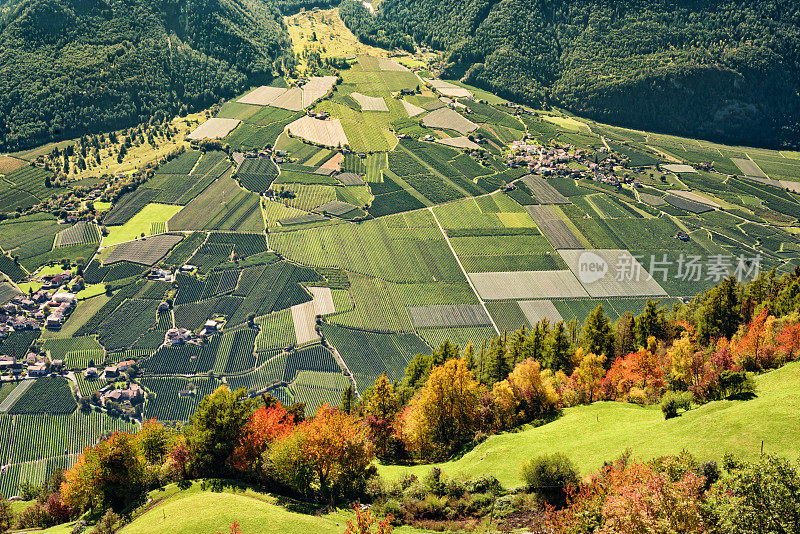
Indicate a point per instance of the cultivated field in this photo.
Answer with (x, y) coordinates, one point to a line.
(442, 315)
(411, 109)
(527, 285)
(536, 310)
(448, 119)
(553, 227)
(215, 128)
(145, 251)
(370, 103)
(447, 88)
(323, 132)
(459, 142)
(544, 191)
(625, 276)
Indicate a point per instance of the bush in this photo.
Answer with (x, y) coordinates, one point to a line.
(672, 401)
(107, 523)
(549, 476)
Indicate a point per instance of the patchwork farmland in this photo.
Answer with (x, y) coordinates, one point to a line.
(336, 230)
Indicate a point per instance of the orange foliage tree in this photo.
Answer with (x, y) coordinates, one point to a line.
(338, 449)
(266, 424)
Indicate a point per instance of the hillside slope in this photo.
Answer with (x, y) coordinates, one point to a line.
(602, 431)
(70, 67)
(721, 69)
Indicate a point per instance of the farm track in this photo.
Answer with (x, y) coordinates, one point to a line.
(15, 395)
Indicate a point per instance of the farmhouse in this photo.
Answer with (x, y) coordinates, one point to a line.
(133, 394)
(178, 336)
(38, 369)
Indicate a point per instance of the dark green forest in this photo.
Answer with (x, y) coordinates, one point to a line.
(719, 69)
(68, 67)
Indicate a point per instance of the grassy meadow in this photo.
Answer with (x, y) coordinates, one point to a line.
(592, 434)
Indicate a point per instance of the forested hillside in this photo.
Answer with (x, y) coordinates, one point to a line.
(716, 69)
(72, 66)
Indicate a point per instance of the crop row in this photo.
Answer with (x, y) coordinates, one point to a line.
(24, 438)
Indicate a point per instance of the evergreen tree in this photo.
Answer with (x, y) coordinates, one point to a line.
(497, 367)
(598, 336)
(559, 350)
(719, 314)
(347, 399)
(652, 322)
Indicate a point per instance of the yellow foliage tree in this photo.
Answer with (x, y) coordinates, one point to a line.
(444, 413)
(589, 373)
(532, 388)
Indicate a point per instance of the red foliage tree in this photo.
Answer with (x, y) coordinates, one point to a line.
(266, 424)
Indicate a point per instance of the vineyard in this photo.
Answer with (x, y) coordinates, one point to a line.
(130, 320)
(88, 386)
(24, 438)
(177, 359)
(316, 388)
(76, 352)
(34, 472)
(368, 355)
(257, 174)
(49, 395)
(82, 233)
(372, 249)
(176, 399)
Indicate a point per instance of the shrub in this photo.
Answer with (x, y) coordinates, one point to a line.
(672, 401)
(549, 476)
(107, 523)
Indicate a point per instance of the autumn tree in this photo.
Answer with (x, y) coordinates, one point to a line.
(757, 498)
(338, 450)
(535, 395)
(6, 515)
(108, 475)
(216, 428)
(153, 441)
(589, 372)
(443, 414)
(382, 407)
(365, 522)
(266, 424)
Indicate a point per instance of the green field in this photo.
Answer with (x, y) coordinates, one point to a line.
(602, 431)
(199, 508)
(144, 222)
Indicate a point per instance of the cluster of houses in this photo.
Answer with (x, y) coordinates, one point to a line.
(565, 161)
(32, 365)
(41, 309)
(181, 336)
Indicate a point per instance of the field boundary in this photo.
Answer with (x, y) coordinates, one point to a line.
(464, 272)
